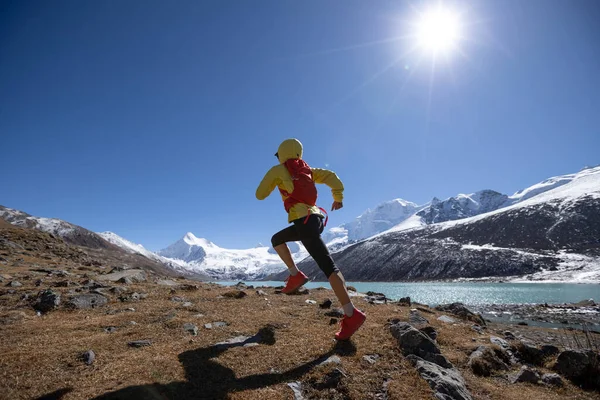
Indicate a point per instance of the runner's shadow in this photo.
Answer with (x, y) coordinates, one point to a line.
(208, 379)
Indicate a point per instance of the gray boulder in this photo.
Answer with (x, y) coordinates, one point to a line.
(89, 357)
(499, 342)
(484, 361)
(135, 275)
(529, 353)
(414, 342)
(191, 328)
(580, 366)
(88, 300)
(460, 310)
(47, 300)
(415, 318)
(446, 383)
(526, 374)
(552, 379)
(14, 284)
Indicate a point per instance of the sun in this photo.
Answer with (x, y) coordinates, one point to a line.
(438, 30)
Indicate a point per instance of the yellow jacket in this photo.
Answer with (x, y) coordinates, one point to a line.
(278, 176)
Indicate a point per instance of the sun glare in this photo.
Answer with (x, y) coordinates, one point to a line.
(438, 30)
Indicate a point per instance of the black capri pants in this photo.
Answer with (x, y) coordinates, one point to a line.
(310, 236)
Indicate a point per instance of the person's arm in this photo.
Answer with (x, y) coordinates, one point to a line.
(330, 179)
(271, 180)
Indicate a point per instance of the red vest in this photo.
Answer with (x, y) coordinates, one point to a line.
(305, 190)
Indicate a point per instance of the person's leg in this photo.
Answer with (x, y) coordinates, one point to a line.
(310, 235)
(296, 278)
(279, 240)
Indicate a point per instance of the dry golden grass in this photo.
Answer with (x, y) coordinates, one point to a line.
(40, 355)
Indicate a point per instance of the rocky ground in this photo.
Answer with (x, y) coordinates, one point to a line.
(75, 331)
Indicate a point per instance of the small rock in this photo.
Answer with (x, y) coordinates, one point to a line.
(477, 328)
(485, 360)
(331, 360)
(404, 301)
(178, 299)
(132, 323)
(526, 375)
(351, 288)
(236, 294)
(47, 300)
(117, 290)
(371, 358)
(523, 323)
(110, 329)
(430, 331)
(188, 287)
(499, 342)
(261, 293)
(461, 311)
(220, 324)
(89, 357)
(333, 321)
(208, 326)
(549, 350)
(39, 282)
(414, 342)
(446, 319)
(416, 318)
(446, 383)
(509, 335)
(308, 301)
(530, 353)
(552, 379)
(125, 280)
(297, 390)
(139, 343)
(130, 309)
(191, 328)
(326, 304)
(84, 301)
(187, 304)
(14, 284)
(335, 313)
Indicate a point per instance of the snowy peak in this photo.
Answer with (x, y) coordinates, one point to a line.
(462, 206)
(192, 240)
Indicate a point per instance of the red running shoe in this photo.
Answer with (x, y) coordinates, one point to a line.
(293, 282)
(349, 325)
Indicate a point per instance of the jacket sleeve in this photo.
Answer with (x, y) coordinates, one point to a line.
(273, 178)
(330, 179)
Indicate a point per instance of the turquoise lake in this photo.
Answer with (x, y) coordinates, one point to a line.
(434, 293)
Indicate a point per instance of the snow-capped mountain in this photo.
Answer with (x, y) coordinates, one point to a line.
(134, 248)
(371, 222)
(550, 232)
(462, 206)
(201, 255)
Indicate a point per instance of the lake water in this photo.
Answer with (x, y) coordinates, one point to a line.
(474, 294)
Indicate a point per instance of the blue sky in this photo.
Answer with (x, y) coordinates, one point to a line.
(154, 118)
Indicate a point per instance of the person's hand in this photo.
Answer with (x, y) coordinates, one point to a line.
(336, 205)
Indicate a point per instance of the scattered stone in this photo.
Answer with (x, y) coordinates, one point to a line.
(135, 275)
(132, 323)
(39, 282)
(14, 284)
(234, 340)
(509, 335)
(191, 328)
(446, 383)
(526, 374)
(131, 297)
(91, 284)
(477, 328)
(236, 294)
(485, 360)
(89, 300)
(552, 380)
(47, 300)
(430, 331)
(188, 287)
(404, 301)
(326, 304)
(461, 311)
(371, 358)
(178, 299)
(261, 293)
(125, 280)
(549, 350)
(331, 360)
(529, 353)
(187, 304)
(416, 318)
(335, 313)
(425, 310)
(308, 301)
(110, 329)
(117, 290)
(296, 390)
(333, 321)
(220, 324)
(414, 342)
(139, 343)
(499, 342)
(89, 357)
(208, 326)
(446, 319)
(130, 309)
